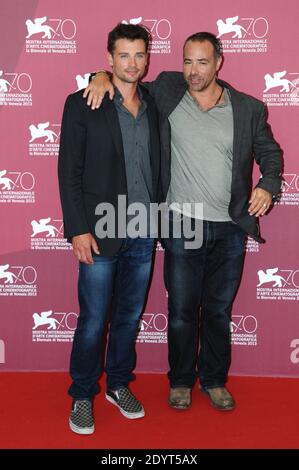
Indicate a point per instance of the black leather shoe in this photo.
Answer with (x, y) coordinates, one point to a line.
(180, 398)
(220, 398)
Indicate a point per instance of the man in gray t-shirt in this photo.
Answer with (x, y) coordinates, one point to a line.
(210, 135)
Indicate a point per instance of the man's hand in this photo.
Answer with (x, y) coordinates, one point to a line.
(82, 246)
(260, 201)
(97, 88)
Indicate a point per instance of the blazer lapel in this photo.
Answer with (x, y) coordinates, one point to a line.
(113, 125)
(173, 98)
(239, 118)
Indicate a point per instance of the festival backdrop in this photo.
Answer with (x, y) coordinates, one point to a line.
(48, 48)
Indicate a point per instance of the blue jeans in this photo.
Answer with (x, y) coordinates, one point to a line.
(202, 284)
(118, 283)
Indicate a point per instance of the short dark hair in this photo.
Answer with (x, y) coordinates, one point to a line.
(127, 31)
(204, 36)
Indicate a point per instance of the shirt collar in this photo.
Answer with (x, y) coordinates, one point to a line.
(119, 98)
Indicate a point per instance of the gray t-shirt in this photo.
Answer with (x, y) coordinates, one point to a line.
(201, 157)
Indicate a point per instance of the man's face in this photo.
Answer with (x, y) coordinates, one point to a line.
(128, 60)
(200, 65)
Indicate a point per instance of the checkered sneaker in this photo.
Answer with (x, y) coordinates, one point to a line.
(125, 401)
(81, 420)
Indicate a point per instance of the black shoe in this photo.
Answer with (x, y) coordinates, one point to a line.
(125, 401)
(81, 420)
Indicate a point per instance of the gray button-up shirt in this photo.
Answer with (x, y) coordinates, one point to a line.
(136, 145)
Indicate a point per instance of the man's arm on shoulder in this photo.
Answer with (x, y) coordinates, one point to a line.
(163, 78)
(101, 84)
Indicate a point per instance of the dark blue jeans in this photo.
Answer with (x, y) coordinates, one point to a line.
(202, 284)
(118, 282)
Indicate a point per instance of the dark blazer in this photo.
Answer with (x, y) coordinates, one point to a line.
(252, 139)
(91, 165)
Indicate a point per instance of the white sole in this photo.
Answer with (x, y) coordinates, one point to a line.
(79, 430)
(139, 414)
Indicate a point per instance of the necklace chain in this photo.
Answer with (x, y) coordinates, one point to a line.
(219, 97)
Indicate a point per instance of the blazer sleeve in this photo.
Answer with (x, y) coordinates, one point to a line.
(70, 169)
(153, 87)
(268, 156)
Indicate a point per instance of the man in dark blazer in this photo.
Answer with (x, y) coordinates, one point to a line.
(210, 136)
(109, 158)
